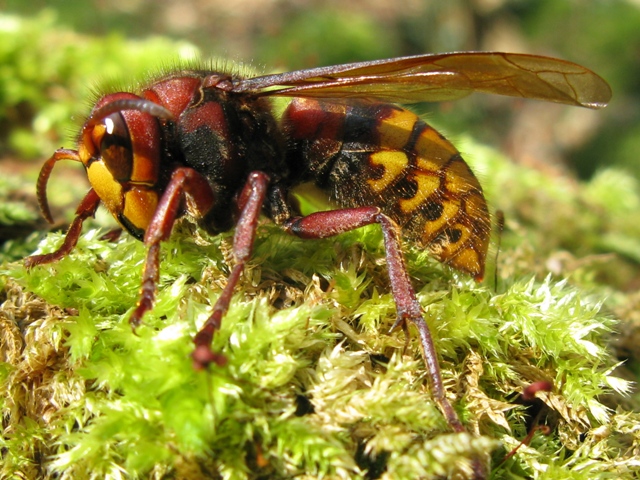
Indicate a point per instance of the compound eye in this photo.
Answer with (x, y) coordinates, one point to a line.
(113, 140)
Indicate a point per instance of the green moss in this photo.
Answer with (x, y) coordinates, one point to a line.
(132, 402)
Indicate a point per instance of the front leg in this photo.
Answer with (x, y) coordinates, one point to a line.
(86, 209)
(186, 187)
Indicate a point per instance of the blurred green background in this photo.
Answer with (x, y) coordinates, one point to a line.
(53, 52)
(57, 56)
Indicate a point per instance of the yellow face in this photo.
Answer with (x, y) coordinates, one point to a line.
(121, 170)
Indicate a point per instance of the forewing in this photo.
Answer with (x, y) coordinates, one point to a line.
(442, 77)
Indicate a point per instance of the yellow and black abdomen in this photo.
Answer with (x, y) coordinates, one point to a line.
(368, 153)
